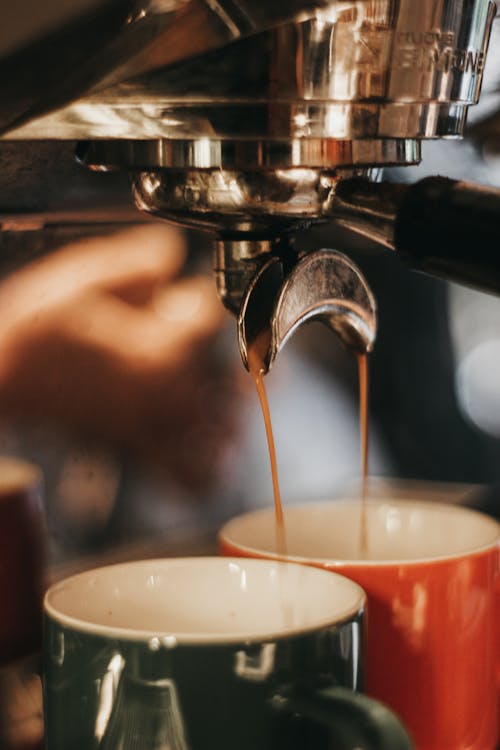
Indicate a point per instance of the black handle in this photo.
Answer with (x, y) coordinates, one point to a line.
(451, 229)
(355, 721)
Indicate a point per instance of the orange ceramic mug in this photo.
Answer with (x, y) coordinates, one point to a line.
(431, 575)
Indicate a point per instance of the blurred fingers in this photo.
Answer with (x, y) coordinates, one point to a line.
(158, 336)
(130, 264)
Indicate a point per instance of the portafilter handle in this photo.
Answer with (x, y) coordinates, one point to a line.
(323, 286)
(443, 227)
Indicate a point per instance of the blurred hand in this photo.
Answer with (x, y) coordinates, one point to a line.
(104, 340)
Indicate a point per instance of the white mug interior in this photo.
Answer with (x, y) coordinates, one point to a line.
(396, 531)
(202, 600)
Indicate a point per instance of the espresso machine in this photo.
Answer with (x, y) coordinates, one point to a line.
(256, 120)
(252, 121)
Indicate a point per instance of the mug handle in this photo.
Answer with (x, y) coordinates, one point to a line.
(354, 720)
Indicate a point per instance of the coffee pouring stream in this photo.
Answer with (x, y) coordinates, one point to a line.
(324, 286)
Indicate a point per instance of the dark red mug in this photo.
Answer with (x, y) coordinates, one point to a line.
(22, 546)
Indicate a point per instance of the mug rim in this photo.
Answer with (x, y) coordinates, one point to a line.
(225, 539)
(156, 638)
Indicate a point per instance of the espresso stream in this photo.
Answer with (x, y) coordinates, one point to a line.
(363, 431)
(256, 355)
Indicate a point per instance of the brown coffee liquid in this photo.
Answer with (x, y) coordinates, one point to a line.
(363, 429)
(256, 354)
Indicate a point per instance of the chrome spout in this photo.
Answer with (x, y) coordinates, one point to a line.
(324, 286)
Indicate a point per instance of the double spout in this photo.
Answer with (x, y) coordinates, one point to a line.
(324, 286)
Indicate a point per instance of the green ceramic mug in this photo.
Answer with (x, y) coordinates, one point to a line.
(209, 653)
